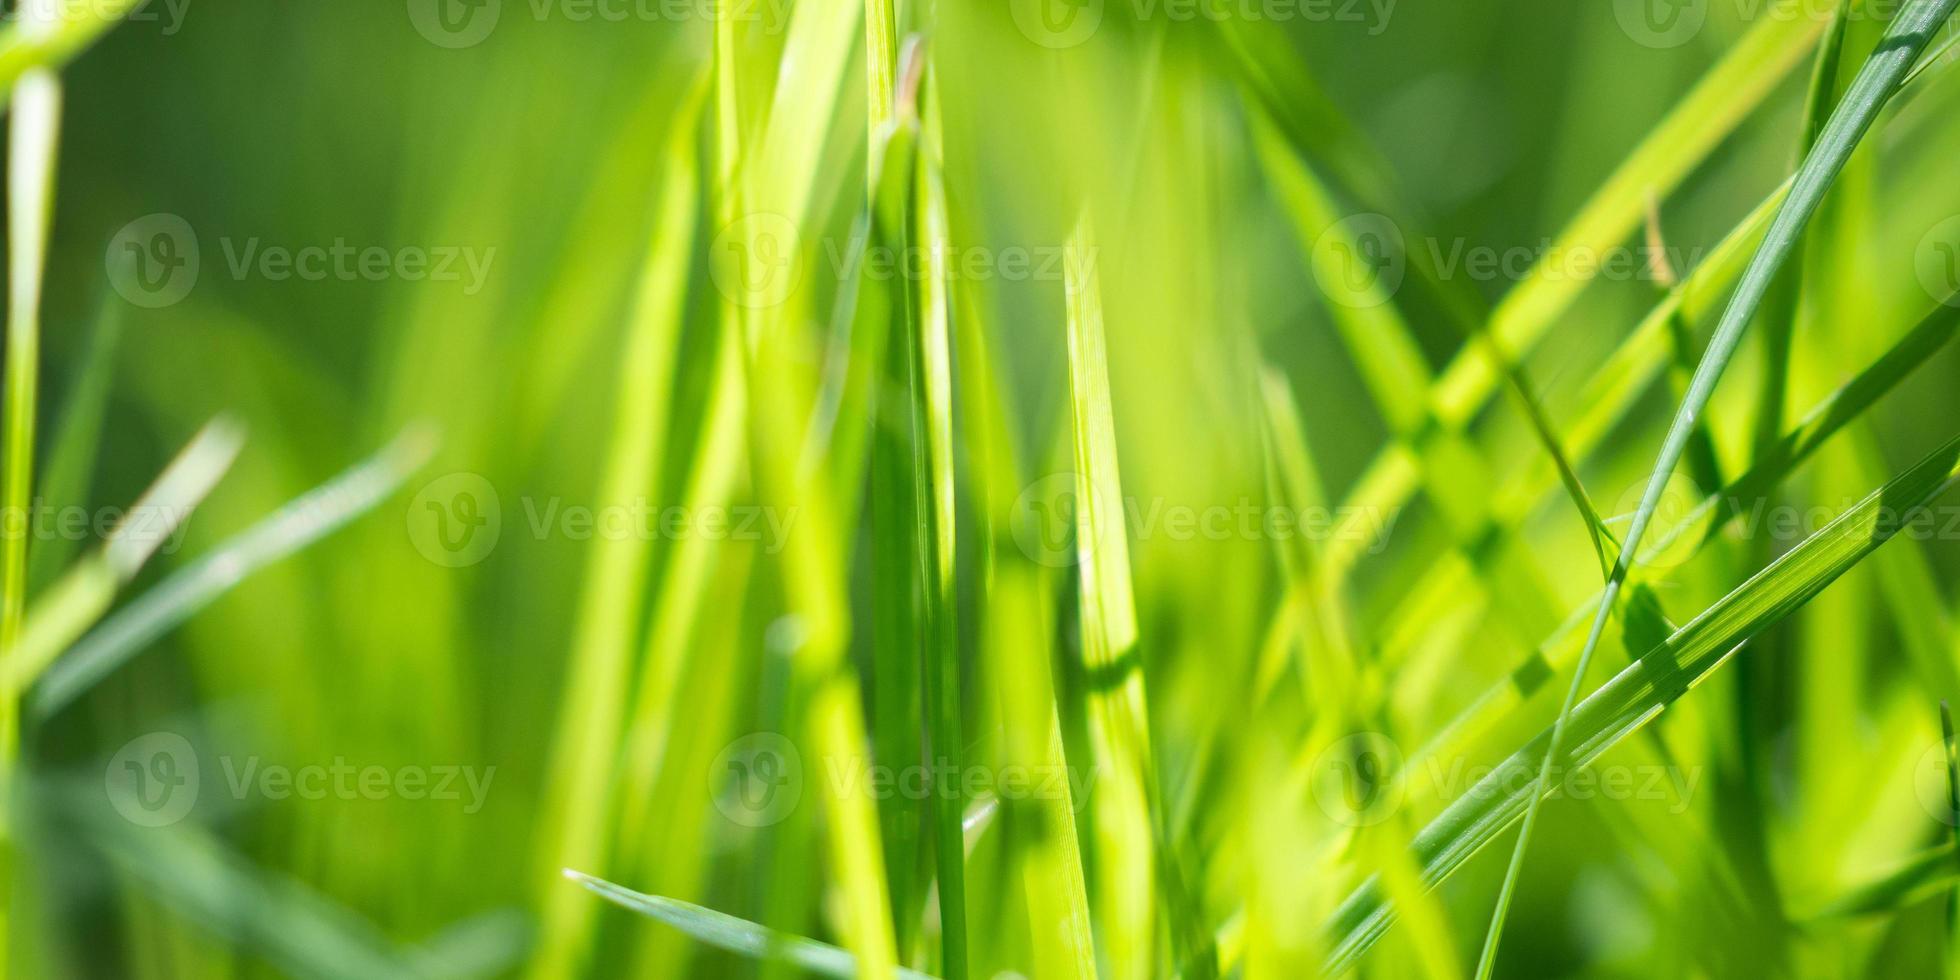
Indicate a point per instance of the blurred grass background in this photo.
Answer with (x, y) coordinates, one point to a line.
(604, 163)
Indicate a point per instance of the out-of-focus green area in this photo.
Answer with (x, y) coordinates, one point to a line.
(680, 506)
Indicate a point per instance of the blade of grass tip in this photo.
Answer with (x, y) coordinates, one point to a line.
(610, 607)
(86, 590)
(301, 522)
(730, 933)
(1117, 721)
(1868, 93)
(1134, 864)
(1643, 690)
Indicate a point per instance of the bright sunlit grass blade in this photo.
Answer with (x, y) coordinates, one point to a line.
(733, 934)
(1876, 81)
(306, 519)
(611, 609)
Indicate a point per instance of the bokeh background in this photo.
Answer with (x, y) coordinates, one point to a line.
(545, 148)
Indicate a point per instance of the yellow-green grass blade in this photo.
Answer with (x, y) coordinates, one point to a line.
(33, 132)
(1015, 620)
(299, 523)
(1640, 692)
(1881, 76)
(1611, 392)
(930, 355)
(80, 597)
(617, 568)
(733, 934)
(1719, 103)
(1703, 522)
(1126, 861)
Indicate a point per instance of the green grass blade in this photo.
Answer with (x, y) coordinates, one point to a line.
(1118, 707)
(306, 519)
(84, 593)
(71, 458)
(1876, 81)
(733, 934)
(617, 568)
(1640, 692)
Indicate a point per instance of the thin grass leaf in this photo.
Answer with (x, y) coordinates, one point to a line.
(1640, 692)
(1927, 874)
(929, 353)
(617, 569)
(85, 592)
(77, 439)
(1875, 84)
(733, 934)
(307, 519)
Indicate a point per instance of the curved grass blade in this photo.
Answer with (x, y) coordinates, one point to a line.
(733, 934)
(306, 519)
(51, 39)
(1877, 80)
(85, 591)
